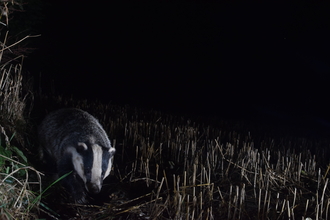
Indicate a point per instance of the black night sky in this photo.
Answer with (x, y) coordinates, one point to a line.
(194, 57)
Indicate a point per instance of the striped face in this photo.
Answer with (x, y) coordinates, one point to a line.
(93, 164)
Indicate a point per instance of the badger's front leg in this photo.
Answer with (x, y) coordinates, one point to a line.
(73, 184)
(75, 187)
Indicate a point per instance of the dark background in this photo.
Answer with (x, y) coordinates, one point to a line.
(191, 57)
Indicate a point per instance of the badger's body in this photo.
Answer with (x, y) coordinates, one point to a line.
(73, 140)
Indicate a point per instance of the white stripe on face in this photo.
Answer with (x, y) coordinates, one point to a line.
(97, 165)
(78, 163)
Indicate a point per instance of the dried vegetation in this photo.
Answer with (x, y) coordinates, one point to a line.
(171, 167)
(17, 200)
(166, 166)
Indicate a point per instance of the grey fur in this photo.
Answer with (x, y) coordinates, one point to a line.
(70, 140)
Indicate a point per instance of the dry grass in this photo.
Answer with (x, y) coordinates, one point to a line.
(17, 199)
(167, 167)
(170, 167)
(12, 98)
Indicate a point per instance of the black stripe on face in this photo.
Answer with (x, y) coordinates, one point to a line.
(107, 159)
(88, 158)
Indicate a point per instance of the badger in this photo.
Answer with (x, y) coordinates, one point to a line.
(72, 140)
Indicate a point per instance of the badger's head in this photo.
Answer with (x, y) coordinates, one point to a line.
(93, 164)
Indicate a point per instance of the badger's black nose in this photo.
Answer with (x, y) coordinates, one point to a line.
(93, 188)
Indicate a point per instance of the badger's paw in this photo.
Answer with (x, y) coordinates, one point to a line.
(82, 200)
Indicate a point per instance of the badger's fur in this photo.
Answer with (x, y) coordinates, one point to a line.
(73, 140)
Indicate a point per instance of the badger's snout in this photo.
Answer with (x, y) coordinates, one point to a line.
(93, 188)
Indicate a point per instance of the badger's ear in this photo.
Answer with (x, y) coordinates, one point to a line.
(112, 150)
(81, 147)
